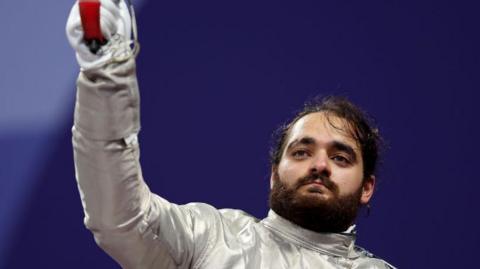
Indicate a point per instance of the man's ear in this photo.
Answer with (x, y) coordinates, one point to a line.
(273, 173)
(367, 189)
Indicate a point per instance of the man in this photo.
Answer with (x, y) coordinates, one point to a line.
(322, 172)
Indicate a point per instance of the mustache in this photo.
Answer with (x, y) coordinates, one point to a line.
(313, 177)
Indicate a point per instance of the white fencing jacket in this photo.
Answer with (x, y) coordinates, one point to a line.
(142, 230)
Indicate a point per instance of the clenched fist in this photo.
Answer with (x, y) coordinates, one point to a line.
(116, 26)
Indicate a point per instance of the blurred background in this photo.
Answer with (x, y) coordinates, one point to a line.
(216, 79)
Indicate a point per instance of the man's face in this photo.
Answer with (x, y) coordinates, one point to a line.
(320, 175)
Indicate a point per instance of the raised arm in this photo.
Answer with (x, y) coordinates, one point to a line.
(136, 227)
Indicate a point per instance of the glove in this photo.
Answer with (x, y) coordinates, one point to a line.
(116, 25)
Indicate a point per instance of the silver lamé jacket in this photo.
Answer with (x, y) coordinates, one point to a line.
(142, 230)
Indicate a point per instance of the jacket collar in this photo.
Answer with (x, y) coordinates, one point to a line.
(336, 244)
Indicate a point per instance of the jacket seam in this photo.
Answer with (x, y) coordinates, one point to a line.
(206, 250)
(300, 242)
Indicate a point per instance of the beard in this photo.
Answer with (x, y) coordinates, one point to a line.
(333, 215)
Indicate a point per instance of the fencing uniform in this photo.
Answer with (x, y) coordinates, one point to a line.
(142, 230)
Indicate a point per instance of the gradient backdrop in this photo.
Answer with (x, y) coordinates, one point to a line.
(216, 78)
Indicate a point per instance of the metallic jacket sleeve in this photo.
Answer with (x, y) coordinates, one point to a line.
(136, 227)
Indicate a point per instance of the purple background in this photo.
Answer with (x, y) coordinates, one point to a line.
(216, 79)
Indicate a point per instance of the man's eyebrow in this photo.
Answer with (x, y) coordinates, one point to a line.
(340, 146)
(336, 145)
(304, 141)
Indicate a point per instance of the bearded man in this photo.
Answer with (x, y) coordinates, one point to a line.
(322, 172)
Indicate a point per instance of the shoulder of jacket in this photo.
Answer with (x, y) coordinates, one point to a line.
(226, 214)
(237, 216)
(367, 254)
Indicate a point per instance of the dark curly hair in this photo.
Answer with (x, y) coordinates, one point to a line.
(359, 127)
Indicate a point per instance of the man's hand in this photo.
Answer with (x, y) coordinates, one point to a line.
(116, 25)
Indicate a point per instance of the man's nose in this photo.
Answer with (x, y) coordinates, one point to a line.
(320, 164)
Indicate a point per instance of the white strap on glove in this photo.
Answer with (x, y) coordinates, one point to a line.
(116, 26)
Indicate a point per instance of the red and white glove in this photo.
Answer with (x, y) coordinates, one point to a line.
(116, 27)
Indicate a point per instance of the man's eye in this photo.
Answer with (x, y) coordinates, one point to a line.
(299, 154)
(341, 160)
